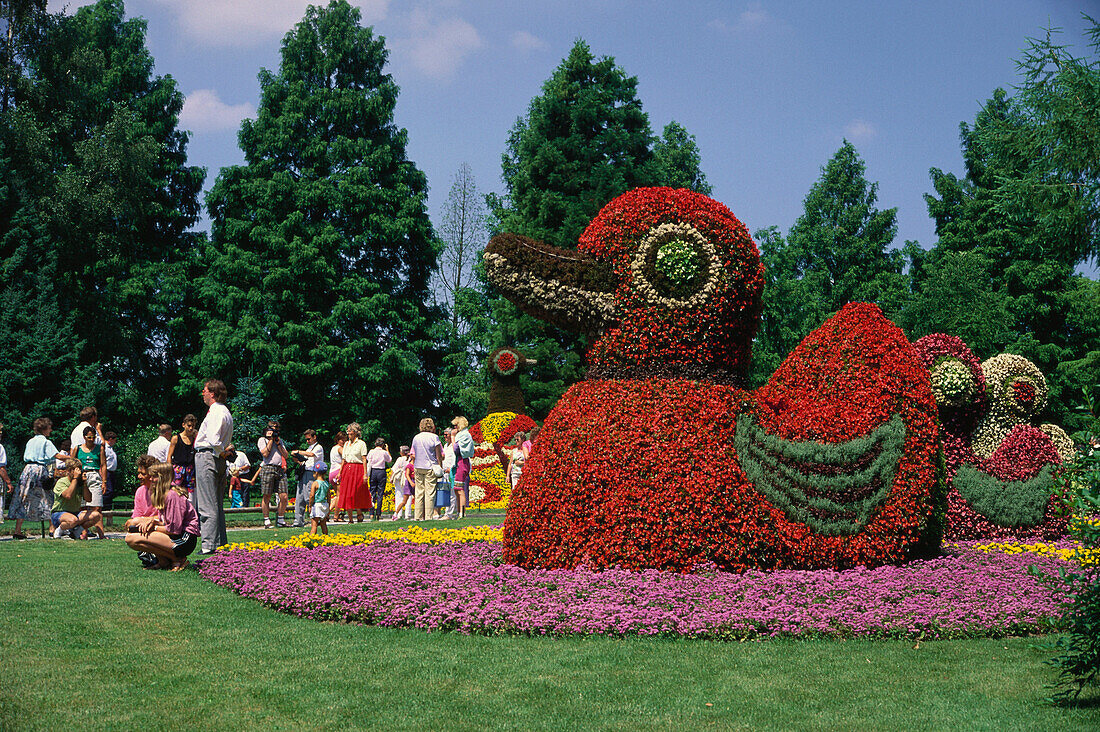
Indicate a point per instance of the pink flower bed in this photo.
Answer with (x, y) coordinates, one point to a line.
(467, 588)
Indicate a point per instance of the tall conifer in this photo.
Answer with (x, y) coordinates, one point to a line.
(321, 246)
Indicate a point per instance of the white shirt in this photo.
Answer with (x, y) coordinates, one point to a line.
(3, 457)
(397, 477)
(158, 448)
(216, 430)
(76, 439)
(274, 457)
(335, 459)
(316, 453)
(112, 458)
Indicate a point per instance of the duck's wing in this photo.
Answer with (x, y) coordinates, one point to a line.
(833, 488)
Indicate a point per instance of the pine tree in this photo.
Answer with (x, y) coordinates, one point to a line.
(321, 248)
(677, 160)
(584, 141)
(1029, 208)
(840, 244)
(837, 252)
(101, 199)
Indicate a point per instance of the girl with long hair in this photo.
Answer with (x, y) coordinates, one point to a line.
(170, 536)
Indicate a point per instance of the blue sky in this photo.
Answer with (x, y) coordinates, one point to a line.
(769, 89)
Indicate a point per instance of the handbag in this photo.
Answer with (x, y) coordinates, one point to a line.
(437, 470)
(443, 498)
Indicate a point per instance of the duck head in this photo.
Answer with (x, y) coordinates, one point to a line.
(505, 366)
(664, 282)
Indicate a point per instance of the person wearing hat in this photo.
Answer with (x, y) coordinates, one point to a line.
(318, 498)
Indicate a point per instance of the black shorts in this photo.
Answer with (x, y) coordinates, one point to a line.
(184, 544)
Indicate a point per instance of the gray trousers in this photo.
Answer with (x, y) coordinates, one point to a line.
(301, 498)
(209, 499)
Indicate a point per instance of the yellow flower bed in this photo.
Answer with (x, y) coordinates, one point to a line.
(411, 535)
(1086, 557)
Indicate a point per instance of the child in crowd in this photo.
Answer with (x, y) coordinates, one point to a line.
(235, 499)
(318, 498)
(66, 515)
(171, 535)
(402, 489)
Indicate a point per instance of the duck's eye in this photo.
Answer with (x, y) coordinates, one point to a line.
(677, 263)
(675, 266)
(506, 362)
(1024, 393)
(952, 383)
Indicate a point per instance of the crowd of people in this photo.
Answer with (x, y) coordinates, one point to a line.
(184, 477)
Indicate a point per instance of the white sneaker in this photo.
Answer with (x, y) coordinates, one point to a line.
(57, 533)
(267, 523)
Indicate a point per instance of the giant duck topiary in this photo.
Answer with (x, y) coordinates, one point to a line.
(661, 458)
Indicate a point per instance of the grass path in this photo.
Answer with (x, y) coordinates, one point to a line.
(85, 630)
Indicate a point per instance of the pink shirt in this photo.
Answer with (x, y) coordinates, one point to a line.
(142, 507)
(179, 514)
(424, 447)
(378, 458)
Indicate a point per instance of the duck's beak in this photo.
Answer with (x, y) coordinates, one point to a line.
(568, 288)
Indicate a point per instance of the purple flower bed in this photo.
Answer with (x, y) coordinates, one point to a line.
(466, 587)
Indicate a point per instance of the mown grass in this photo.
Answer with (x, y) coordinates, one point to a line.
(91, 641)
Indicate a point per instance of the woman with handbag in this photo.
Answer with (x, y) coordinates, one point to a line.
(445, 486)
(30, 503)
(427, 458)
(464, 450)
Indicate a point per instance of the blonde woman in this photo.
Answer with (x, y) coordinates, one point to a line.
(172, 534)
(354, 492)
(335, 463)
(427, 459)
(464, 450)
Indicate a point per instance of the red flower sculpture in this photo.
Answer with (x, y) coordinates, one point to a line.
(660, 460)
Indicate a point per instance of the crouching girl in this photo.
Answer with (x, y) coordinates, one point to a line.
(171, 535)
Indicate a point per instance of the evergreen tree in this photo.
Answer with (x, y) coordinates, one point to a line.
(321, 247)
(1029, 208)
(584, 140)
(789, 311)
(676, 158)
(837, 252)
(840, 244)
(99, 200)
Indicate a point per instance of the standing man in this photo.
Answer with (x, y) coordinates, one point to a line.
(212, 443)
(89, 417)
(109, 440)
(273, 457)
(158, 448)
(313, 454)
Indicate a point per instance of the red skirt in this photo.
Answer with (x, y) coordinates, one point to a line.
(354, 491)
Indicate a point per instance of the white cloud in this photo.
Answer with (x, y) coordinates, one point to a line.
(527, 42)
(750, 19)
(859, 130)
(204, 111)
(250, 22)
(437, 47)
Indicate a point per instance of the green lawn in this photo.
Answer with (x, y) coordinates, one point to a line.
(92, 641)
